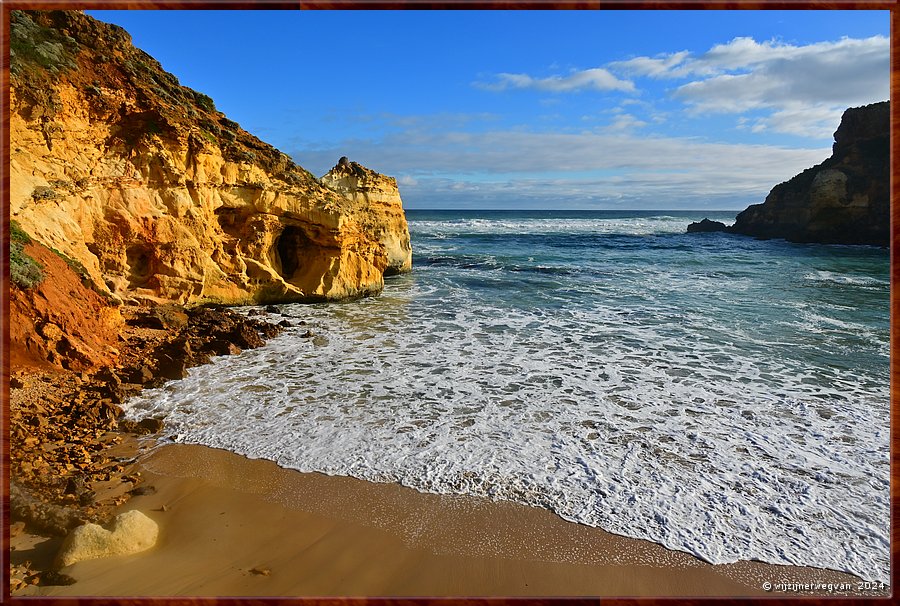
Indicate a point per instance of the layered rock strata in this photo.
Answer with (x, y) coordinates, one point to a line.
(162, 198)
(843, 200)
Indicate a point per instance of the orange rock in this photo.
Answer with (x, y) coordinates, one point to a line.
(161, 198)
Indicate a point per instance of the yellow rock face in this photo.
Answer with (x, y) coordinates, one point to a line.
(379, 209)
(162, 198)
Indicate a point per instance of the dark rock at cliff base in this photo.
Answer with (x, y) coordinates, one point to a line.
(152, 425)
(174, 359)
(706, 226)
(843, 200)
(40, 516)
(205, 332)
(161, 317)
(140, 375)
(55, 578)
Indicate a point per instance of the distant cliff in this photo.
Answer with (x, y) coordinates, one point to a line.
(162, 198)
(843, 200)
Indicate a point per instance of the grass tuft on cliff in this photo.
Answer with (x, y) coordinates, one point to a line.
(24, 271)
(75, 265)
(34, 47)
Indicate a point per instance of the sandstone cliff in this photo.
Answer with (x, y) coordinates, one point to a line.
(843, 200)
(162, 198)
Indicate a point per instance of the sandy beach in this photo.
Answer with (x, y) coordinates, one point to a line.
(230, 526)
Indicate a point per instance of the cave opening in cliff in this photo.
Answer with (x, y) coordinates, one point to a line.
(139, 258)
(290, 247)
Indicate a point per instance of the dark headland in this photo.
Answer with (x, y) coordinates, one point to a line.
(843, 200)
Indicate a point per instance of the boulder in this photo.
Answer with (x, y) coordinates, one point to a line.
(130, 532)
(140, 375)
(152, 425)
(174, 359)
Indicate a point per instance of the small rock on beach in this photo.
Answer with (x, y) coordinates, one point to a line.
(130, 532)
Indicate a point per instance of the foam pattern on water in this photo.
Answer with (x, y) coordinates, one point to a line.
(715, 394)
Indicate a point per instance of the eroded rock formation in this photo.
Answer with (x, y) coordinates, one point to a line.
(843, 200)
(382, 211)
(162, 198)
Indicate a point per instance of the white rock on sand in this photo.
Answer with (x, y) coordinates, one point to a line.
(130, 532)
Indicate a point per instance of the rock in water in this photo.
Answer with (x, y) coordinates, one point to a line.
(843, 200)
(706, 226)
(130, 532)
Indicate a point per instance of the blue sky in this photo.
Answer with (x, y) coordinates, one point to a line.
(536, 109)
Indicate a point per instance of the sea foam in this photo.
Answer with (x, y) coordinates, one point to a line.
(699, 397)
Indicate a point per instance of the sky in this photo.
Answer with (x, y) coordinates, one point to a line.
(536, 109)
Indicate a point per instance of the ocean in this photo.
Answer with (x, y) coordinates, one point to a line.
(716, 394)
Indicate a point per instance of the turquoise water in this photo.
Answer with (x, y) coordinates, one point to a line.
(714, 393)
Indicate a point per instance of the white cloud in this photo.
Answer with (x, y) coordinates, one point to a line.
(592, 168)
(625, 122)
(589, 79)
(805, 87)
(655, 67)
(745, 54)
(849, 72)
(818, 122)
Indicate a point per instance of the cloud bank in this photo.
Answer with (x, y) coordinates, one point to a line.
(603, 169)
(769, 87)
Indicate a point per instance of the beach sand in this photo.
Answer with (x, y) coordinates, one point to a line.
(231, 526)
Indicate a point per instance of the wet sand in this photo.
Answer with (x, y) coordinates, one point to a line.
(231, 526)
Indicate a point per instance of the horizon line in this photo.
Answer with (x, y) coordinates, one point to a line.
(709, 210)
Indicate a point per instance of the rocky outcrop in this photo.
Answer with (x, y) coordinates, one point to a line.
(843, 200)
(706, 226)
(162, 198)
(382, 210)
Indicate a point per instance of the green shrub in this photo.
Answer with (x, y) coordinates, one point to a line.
(33, 47)
(17, 234)
(24, 271)
(42, 192)
(204, 102)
